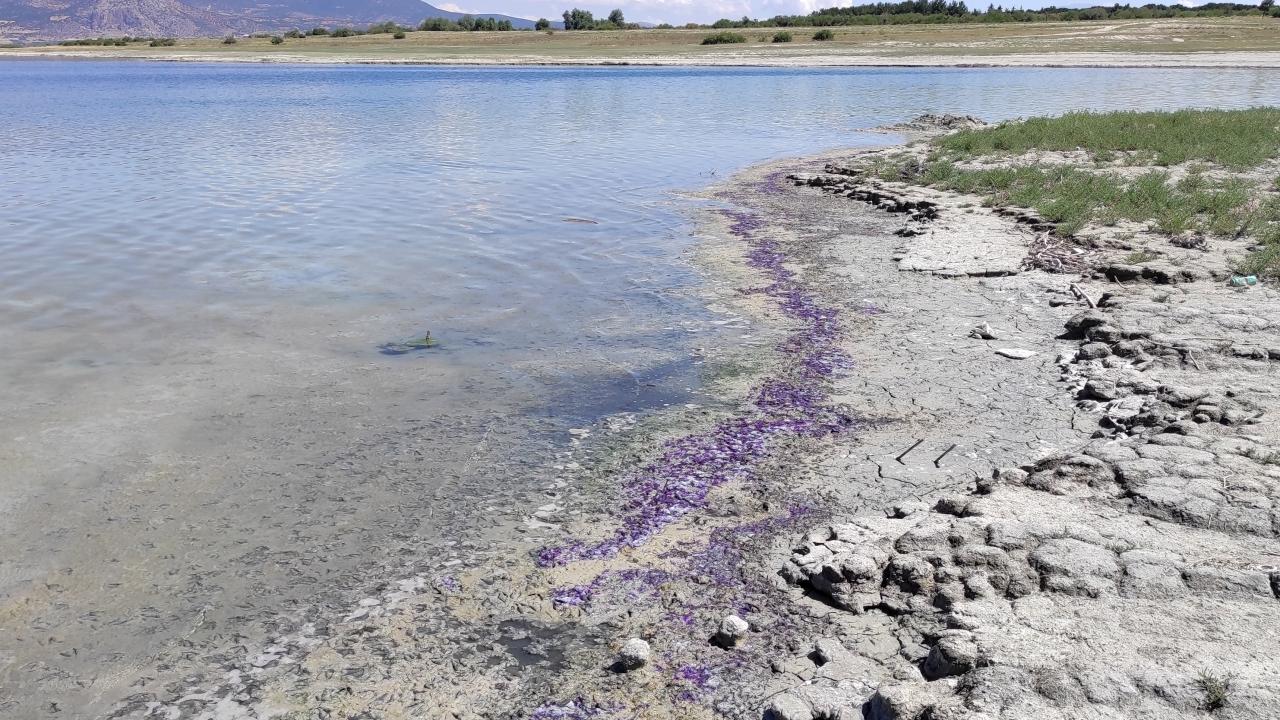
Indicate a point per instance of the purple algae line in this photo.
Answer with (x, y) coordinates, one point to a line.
(679, 481)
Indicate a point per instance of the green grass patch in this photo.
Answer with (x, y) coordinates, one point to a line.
(1075, 197)
(824, 35)
(1230, 138)
(782, 37)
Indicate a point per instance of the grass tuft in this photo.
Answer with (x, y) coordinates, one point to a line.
(1216, 690)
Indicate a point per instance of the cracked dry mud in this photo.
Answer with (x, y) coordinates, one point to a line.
(1076, 517)
(1127, 565)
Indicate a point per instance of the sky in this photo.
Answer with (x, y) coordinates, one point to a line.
(675, 12)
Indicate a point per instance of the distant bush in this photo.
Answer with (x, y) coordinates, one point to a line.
(385, 28)
(723, 38)
(399, 35)
(117, 42)
(318, 31)
(542, 24)
(343, 32)
(163, 42)
(294, 34)
(277, 40)
(228, 40)
(782, 37)
(824, 34)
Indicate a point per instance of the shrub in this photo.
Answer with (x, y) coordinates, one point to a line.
(723, 38)
(542, 24)
(294, 34)
(399, 35)
(228, 40)
(824, 34)
(343, 32)
(318, 31)
(277, 40)
(1217, 690)
(782, 37)
(165, 42)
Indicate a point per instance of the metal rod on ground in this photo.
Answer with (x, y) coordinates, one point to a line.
(904, 452)
(938, 463)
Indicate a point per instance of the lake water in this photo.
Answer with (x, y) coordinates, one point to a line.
(199, 264)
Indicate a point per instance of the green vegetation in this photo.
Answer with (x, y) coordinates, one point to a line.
(102, 41)
(163, 42)
(576, 19)
(399, 35)
(1202, 198)
(277, 40)
(823, 35)
(1230, 138)
(1216, 690)
(782, 37)
(923, 12)
(724, 38)
(465, 24)
(385, 28)
(542, 24)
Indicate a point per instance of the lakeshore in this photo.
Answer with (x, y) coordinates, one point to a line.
(868, 344)
(1195, 42)
(971, 471)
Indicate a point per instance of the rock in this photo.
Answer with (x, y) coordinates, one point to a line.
(1081, 322)
(955, 653)
(1093, 351)
(826, 650)
(634, 654)
(1104, 390)
(1015, 353)
(984, 332)
(1075, 567)
(733, 630)
(788, 707)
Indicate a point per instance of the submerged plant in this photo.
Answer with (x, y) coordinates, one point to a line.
(407, 346)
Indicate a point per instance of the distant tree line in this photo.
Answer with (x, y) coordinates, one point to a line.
(955, 11)
(120, 41)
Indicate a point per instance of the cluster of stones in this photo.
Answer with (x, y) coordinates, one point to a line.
(1157, 539)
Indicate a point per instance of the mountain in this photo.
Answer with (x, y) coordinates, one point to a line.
(36, 20)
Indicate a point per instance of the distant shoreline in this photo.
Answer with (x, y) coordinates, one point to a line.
(1115, 60)
(1200, 43)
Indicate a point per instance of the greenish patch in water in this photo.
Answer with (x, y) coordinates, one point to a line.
(405, 347)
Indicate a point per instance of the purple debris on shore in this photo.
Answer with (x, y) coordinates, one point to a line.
(637, 583)
(788, 407)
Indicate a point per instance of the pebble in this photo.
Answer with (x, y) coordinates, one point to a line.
(732, 630)
(634, 654)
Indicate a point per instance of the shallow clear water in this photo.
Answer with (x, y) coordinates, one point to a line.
(199, 262)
